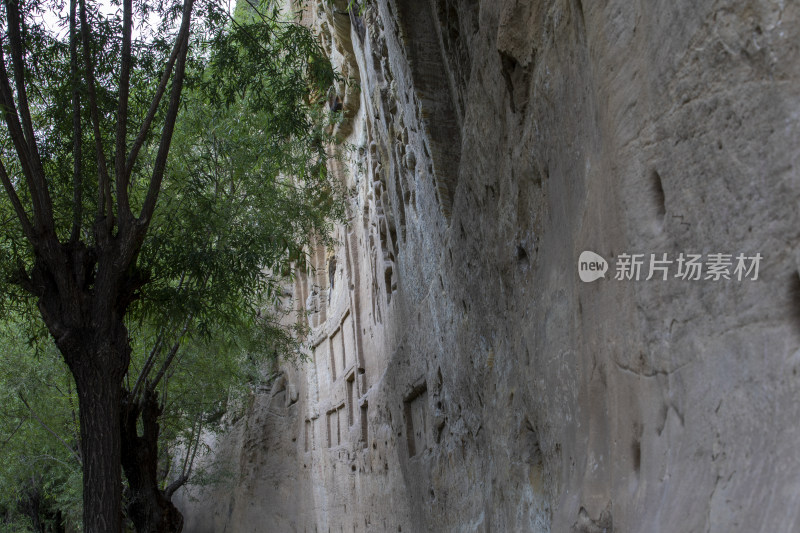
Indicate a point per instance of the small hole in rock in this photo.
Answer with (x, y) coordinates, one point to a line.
(522, 255)
(659, 198)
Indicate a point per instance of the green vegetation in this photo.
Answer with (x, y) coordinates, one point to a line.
(157, 188)
(40, 465)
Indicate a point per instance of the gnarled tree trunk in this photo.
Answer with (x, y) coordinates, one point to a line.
(149, 508)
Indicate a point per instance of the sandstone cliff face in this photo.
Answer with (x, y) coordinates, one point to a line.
(462, 376)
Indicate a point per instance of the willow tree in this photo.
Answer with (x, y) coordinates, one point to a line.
(90, 113)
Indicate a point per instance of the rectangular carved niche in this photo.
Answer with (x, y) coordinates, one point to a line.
(341, 424)
(329, 423)
(335, 417)
(348, 336)
(319, 354)
(337, 353)
(416, 415)
(351, 398)
(364, 428)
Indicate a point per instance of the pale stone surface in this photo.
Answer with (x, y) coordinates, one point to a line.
(462, 377)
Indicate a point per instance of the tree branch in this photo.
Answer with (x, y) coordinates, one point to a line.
(18, 139)
(17, 52)
(169, 122)
(188, 462)
(123, 205)
(151, 358)
(18, 209)
(172, 352)
(11, 436)
(151, 112)
(104, 208)
(15, 39)
(148, 364)
(77, 163)
(175, 485)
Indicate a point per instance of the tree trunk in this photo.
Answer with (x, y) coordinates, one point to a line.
(148, 507)
(98, 400)
(98, 358)
(83, 307)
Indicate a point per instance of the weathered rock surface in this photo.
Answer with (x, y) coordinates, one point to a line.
(463, 378)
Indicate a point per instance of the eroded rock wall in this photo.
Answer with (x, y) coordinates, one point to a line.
(462, 377)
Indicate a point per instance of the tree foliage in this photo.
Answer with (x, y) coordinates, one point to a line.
(145, 226)
(40, 463)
